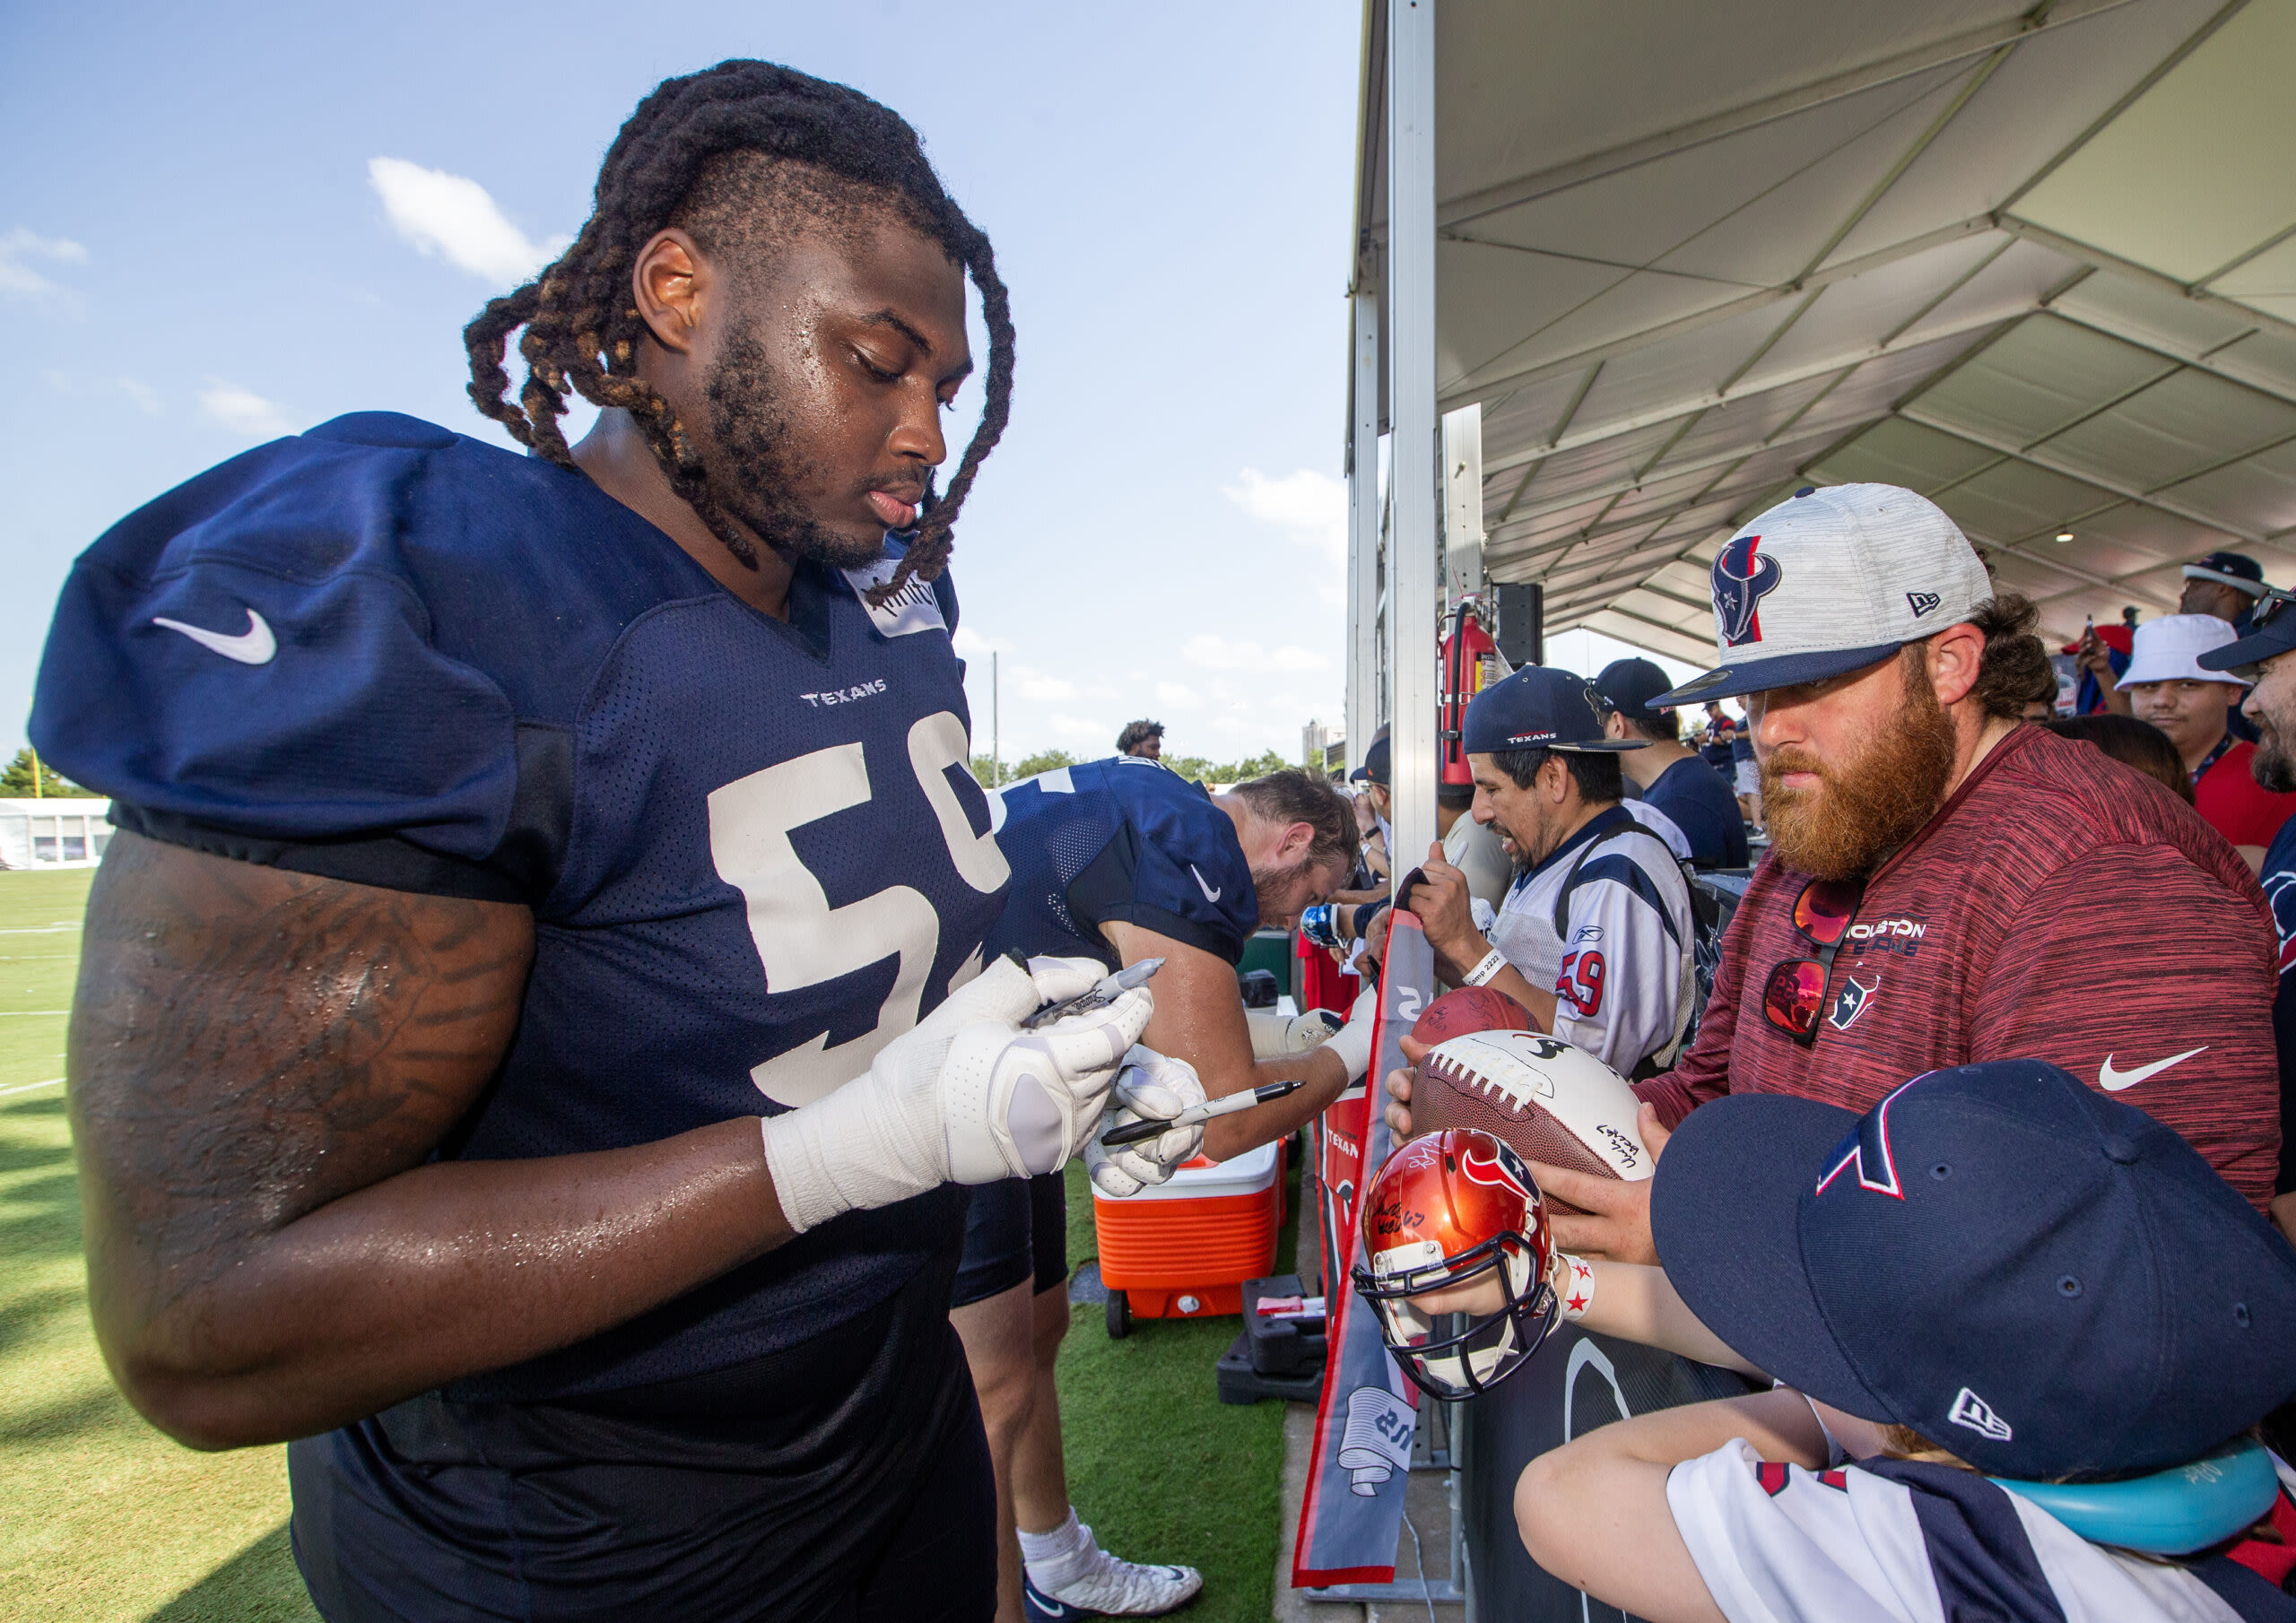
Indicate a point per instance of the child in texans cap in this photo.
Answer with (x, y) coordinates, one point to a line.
(2020, 1329)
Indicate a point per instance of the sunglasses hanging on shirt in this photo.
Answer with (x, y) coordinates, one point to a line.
(1794, 998)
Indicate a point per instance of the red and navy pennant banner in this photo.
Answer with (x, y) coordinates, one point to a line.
(1352, 1514)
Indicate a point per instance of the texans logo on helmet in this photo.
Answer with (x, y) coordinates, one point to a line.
(1741, 581)
(1493, 1171)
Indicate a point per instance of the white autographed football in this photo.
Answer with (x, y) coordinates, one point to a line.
(1549, 1101)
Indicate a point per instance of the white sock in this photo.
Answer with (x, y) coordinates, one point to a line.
(1057, 1558)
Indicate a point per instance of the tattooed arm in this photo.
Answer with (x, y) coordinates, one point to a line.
(260, 1062)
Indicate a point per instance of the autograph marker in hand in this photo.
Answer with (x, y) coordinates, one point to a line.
(1133, 1132)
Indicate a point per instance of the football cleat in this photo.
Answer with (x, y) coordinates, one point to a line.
(1109, 1588)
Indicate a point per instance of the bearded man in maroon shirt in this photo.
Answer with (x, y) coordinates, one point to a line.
(1944, 885)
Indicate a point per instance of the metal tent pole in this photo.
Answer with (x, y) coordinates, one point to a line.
(1414, 471)
(1415, 492)
(1462, 536)
(1414, 504)
(1364, 527)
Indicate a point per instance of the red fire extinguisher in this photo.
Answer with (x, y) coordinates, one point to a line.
(1469, 659)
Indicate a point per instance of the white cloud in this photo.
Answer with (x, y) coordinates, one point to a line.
(452, 217)
(1174, 693)
(19, 280)
(1030, 682)
(1218, 654)
(1083, 734)
(242, 411)
(970, 644)
(1311, 507)
(146, 397)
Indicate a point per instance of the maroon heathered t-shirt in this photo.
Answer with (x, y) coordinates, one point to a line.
(2060, 905)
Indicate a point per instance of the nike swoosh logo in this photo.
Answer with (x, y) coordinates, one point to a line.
(1210, 895)
(253, 647)
(1043, 1608)
(2113, 1081)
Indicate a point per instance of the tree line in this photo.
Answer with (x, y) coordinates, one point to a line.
(1198, 767)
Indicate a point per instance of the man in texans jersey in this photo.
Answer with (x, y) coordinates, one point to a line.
(533, 1028)
(1122, 860)
(1595, 937)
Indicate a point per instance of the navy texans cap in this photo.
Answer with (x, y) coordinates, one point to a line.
(1374, 769)
(1830, 580)
(1538, 708)
(2040, 1278)
(1630, 685)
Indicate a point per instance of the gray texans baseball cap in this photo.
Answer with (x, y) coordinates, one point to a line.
(1829, 580)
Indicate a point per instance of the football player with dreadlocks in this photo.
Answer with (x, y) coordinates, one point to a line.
(534, 1031)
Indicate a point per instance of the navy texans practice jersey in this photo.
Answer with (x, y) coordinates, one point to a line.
(1126, 840)
(754, 849)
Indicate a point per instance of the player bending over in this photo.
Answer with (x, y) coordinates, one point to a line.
(502, 837)
(1121, 861)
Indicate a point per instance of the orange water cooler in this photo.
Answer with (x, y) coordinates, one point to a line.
(1185, 1248)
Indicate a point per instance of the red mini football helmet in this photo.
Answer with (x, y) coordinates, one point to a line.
(1445, 1211)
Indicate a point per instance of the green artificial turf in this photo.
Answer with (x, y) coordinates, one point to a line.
(1157, 1464)
(102, 1518)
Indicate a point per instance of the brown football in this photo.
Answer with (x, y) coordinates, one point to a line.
(1469, 1009)
(1547, 1100)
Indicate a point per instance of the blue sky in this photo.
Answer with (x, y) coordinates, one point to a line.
(229, 222)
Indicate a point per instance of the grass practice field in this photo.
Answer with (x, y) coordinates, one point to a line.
(102, 1518)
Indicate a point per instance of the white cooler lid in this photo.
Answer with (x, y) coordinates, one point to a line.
(1247, 1174)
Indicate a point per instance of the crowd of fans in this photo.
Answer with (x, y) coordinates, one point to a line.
(1957, 874)
(1904, 805)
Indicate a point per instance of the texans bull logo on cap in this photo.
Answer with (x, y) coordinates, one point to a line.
(1741, 581)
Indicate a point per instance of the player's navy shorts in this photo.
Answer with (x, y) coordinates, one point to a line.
(1015, 1230)
(784, 1488)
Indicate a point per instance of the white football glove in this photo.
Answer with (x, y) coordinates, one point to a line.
(1353, 1041)
(966, 1097)
(1276, 1035)
(1151, 1086)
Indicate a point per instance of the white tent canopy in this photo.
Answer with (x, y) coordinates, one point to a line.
(2038, 264)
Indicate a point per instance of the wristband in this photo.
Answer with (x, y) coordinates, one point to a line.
(1576, 1292)
(1487, 971)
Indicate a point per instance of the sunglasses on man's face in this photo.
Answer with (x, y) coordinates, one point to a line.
(2268, 607)
(1794, 998)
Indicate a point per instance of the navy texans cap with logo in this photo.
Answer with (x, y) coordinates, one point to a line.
(1830, 580)
(1630, 685)
(1538, 708)
(2038, 1277)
